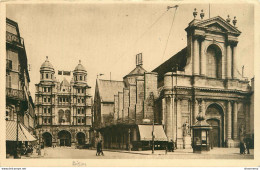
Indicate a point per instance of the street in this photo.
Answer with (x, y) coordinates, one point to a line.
(70, 153)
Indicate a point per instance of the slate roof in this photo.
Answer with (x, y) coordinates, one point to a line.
(109, 88)
(139, 70)
(180, 58)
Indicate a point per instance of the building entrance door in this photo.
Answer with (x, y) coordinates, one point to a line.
(65, 138)
(214, 117)
(214, 133)
(47, 138)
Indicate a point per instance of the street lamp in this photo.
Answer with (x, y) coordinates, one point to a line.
(16, 153)
(152, 104)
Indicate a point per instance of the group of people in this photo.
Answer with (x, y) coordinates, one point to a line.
(26, 150)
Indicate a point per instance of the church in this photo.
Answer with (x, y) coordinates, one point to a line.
(202, 78)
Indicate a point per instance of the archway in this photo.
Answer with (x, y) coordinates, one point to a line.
(47, 139)
(215, 117)
(65, 138)
(214, 61)
(81, 138)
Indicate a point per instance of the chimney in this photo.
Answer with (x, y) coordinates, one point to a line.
(139, 59)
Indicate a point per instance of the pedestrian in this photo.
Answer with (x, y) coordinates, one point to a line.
(247, 146)
(242, 147)
(172, 146)
(99, 149)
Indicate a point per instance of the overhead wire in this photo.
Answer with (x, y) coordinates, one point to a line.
(141, 36)
(169, 33)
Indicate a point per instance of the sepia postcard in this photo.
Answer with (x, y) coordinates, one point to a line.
(126, 83)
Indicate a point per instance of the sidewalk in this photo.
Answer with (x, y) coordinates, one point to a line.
(214, 151)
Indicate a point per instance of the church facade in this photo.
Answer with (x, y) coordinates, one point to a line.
(203, 78)
(63, 108)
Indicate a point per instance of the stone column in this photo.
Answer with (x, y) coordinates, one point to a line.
(196, 110)
(235, 120)
(163, 113)
(203, 58)
(228, 65)
(196, 57)
(179, 125)
(229, 122)
(247, 117)
(234, 63)
(169, 118)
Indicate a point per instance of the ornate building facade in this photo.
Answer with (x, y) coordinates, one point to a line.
(63, 109)
(203, 77)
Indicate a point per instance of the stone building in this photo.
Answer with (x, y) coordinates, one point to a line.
(19, 103)
(124, 110)
(203, 77)
(63, 109)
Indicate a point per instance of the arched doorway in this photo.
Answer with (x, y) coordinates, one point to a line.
(81, 138)
(65, 138)
(47, 139)
(214, 117)
(214, 61)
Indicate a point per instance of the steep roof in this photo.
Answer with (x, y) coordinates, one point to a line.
(109, 88)
(180, 58)
(138, 70)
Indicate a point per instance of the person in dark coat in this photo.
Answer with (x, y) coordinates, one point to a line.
(99, 149)
(242, 147)
(247, 146)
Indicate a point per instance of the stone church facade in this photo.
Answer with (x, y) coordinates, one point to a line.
(203, 78)
(63, 108)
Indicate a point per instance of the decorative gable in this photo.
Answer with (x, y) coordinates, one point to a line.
(217, 24)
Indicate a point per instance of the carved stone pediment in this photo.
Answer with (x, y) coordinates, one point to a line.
(217, 24)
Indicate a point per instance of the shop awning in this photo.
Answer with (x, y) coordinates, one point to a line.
(23, 133)
(146, 133)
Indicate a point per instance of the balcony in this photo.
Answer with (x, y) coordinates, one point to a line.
(9, 65)
(15, 94)
(14, 39)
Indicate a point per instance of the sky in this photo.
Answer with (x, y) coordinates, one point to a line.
(106, 37)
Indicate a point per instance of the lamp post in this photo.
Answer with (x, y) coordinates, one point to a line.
(16, 153)
(152, 104)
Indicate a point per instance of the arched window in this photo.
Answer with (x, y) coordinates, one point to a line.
(214, 61)
(61, 115)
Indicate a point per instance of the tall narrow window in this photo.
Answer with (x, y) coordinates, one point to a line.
(80, 77)
(42, 76)
(47, 76)
(10, 82)
(49, 110)
(44, 110)
(44, 99)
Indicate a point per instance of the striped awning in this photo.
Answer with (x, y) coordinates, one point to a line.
(146, 133)
(23, 133)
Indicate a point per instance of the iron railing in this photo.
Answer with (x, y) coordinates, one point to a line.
(14, 39)
(14, 93)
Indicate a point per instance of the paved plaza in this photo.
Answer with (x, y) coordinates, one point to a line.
(70, 153)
